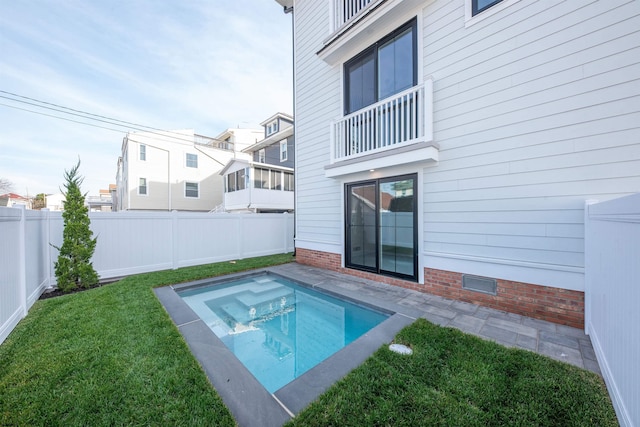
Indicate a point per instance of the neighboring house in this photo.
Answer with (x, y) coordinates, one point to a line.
(449, 146)
(11, 199)
(176, 170)
(55, 202)
(265, 183)
(103, 202)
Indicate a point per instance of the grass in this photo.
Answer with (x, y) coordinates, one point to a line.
(110, 356)
(454, 379)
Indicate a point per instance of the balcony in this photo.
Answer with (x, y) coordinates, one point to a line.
(396, 130)
(345, 10)
(356, 24)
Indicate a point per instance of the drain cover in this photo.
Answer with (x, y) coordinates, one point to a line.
(400, 349)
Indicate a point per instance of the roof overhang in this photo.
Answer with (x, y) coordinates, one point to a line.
(275, 116)
(285, 3)
(278, 136)
(230, 163)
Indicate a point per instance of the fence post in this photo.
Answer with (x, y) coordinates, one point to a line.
(47, 239)
(587, 273)
(240, 235)
(174, 239)
(22, 261)
(286, 232)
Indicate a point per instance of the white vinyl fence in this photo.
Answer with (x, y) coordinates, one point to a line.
(128, 243)
(612, 299)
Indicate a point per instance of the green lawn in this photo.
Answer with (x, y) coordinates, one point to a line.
(454, 379)
(112, 356)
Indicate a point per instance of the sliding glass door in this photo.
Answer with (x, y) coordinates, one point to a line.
(381, 226)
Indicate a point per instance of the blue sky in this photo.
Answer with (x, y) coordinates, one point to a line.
(170, 64)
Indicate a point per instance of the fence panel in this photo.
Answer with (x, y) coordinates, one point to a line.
(612, 292)
(11, 306)
(199, 240)
(37, 257)
(128, 243)
(131, 242)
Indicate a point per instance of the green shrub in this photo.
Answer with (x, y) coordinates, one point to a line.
(74, 267)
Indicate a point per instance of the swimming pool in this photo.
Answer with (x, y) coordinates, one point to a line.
(247, 399)
(277, 328)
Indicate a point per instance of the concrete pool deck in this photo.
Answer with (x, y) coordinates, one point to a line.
(251, 404)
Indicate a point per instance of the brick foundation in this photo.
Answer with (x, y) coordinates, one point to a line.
(556, 305)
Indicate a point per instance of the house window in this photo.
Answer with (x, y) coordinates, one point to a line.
(272, 128)
(142, 187)
(261, 155)
(143, 152)
(261, 178)
(191, 189)
(478, 6)
(276, 180)
(283, 150)
(192, 160)
(384, 69)
(240, 179)
(288, 181)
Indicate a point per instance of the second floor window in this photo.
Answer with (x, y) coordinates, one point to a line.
(143, 152)
(192, 160)
(262, 157)
(384, 69)
(478, 6)
(237, 180)
(283, 150)
(288, 181)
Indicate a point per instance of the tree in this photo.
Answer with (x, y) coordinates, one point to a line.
(74, 267)
(39, 202)
(5, 185)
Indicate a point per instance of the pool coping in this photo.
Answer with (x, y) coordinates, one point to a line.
(249, 402)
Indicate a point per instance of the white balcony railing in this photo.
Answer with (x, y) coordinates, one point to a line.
(403, 119)
(344, 10)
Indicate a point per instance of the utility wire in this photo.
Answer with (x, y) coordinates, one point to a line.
(87, 115)
(78, 111)
(61, 118)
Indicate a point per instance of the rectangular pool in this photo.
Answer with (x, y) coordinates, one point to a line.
(277, 328)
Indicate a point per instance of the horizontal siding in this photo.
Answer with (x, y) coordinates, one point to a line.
(536, 110)
(318, 204)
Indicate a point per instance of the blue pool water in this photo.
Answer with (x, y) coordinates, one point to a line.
(276, 328)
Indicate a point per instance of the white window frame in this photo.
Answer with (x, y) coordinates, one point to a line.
(262, 156)
(272, 127)
(470, 19)
(142, 153)
(283, 150)
(197, 184)
(186, 160)
(146, 187)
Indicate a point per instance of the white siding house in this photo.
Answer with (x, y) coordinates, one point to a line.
(265, 183)
(450, 145)
(176, 170)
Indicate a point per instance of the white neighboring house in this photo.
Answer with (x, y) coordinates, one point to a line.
(12, 199)
(265, 182)
(176, 170)
(55, 202)
(449, 146)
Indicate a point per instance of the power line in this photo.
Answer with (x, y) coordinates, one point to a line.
(61, 118)
(77, 111)
(90, 116)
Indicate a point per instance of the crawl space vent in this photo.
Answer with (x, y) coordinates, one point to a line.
(479, 284)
